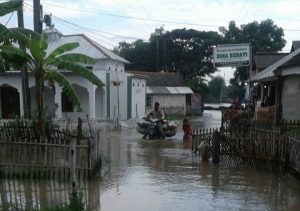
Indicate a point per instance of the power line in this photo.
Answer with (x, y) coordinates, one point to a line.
(131, 17)
(144, 19)
(95, 36)
(9, 19)
(96, 30)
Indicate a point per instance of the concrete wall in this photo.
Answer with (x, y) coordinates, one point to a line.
(291, 98)
(121, 96)
(138, 98)
(171, 104)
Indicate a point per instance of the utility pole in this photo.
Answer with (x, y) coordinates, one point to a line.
(24, 75)
(165, 54)
(37, 21)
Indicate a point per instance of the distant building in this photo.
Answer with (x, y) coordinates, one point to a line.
(169, 90)
(117, 97)
(278, 87)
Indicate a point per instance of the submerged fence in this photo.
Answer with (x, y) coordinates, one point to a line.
(23, 155)
(279, 144)
(29, 194)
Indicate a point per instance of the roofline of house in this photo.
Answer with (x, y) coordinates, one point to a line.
(93, 44)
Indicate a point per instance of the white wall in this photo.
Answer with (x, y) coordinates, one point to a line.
(122, 77)
(99, 102)
(171, 104)
(291, 98)
(113, 65)
(83, 87)
(138, 97)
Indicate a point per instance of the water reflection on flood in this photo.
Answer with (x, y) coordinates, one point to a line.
(163, 175)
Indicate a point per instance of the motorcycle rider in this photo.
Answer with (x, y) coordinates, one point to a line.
(159, 115)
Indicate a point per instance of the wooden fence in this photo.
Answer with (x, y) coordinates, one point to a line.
(273, 144)
(32, 194)
(22, 155)
(293, 153)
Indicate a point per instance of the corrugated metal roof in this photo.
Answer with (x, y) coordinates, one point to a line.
(86, 46)
(168, 90)
(269, 72)
(264, 60)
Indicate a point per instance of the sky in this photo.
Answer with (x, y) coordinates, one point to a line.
(112, 21)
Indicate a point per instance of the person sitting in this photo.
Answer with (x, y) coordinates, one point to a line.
(159, 115)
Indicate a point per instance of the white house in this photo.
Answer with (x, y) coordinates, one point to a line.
(169, 90)
(118, 97)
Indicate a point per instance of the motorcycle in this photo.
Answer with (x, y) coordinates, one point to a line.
(149, 126)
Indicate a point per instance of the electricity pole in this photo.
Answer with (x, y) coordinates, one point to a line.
(24, 75)
(37, 21)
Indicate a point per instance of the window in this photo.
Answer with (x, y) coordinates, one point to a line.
(132, 84)
(138, 84)
(67, 105)
(148, 101)
(108, 68)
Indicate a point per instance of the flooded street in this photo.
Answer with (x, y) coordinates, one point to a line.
(153, 175)
(164, 175)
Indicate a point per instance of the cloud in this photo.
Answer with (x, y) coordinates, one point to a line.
(202, 12)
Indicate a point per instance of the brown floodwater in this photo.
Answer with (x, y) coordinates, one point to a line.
(154, 175)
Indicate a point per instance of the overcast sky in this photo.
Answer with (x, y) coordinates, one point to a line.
(112, 21)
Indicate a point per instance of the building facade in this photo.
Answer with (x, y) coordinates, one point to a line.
(278, 96)
(117, 98)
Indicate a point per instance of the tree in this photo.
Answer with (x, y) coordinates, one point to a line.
(139, 54)
(186, 51)
(45, 67)
(263, 37)
(215, 86)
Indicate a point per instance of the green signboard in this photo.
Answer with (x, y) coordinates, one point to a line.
(232, 55)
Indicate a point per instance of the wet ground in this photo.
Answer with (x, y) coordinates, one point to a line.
(164, 175)
(156, 175)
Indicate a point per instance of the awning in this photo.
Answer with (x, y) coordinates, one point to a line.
(169, 90)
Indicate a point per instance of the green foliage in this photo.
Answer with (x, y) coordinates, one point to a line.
(190, 51)
(76, 203)
(185, 50)
(216, 85)
(263, 37)
(10, 6)
(67, 87)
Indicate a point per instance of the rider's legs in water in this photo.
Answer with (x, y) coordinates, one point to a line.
(160, 131)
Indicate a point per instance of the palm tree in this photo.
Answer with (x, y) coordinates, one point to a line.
(45, 67)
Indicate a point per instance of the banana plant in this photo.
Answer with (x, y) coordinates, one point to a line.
(45, 67)
(5, 35)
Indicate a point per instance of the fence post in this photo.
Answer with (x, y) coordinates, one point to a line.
(73, 143)
(73, 179)
(216, 147)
